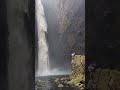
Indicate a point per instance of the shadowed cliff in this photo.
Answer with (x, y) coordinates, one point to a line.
(17, 45)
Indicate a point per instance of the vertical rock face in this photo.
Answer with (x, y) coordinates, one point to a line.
(65, 37)
(102, 32)
(21, 57)
(3, 46)
(106, 79)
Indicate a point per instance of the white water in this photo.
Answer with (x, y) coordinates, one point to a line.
(43, 55)
(41, 27)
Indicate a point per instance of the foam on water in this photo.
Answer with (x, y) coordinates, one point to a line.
(41, 26)
(54, 72)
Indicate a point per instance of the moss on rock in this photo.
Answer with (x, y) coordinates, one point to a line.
(106, 79)
(77, 72)
(77, 66)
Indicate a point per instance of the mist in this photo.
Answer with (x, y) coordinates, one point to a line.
(55, 39)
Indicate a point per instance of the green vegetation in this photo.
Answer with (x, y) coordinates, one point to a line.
(77, 77)
(76, 81)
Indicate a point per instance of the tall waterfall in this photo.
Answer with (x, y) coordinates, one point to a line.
(41, 28)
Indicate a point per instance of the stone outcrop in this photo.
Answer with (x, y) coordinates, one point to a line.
(106, 79)
(78, 72)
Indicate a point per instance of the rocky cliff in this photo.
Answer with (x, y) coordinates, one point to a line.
(72, 39)
(20, 22)
(106, 79)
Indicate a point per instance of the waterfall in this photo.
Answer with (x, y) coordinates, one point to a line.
(42, 67)
(41, 28)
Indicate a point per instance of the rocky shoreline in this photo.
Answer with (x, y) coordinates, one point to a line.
(74, 81)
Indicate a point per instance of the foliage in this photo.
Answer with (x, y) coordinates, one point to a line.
(78, 74)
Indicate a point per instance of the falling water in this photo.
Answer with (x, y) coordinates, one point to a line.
(41, 27)
(42, 55)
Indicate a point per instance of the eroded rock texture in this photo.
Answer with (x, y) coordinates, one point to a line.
(3, 46)
(77, 77)
(20, 21)
(106, 79)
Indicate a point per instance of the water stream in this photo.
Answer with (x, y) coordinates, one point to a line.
(42, 54)
(41, 27)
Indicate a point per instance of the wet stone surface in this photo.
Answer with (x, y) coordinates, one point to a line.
(53, 83)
